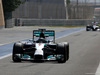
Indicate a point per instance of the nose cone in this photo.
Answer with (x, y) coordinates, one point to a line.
(39, 47)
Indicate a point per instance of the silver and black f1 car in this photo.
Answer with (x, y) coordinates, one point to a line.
(93, 27)
(41, 48)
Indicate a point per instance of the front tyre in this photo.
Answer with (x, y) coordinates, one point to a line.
(62, 52)
(87, 29)
(17, 52)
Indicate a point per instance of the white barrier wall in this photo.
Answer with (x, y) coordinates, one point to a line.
(24, 22)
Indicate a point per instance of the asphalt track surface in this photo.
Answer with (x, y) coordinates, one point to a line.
(84, 56)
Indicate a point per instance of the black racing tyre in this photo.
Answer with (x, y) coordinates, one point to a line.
(17, 49)
(63, 49)
(87, 29)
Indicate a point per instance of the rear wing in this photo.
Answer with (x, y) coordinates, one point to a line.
(47, 33)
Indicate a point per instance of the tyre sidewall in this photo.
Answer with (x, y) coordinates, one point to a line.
(17, 49)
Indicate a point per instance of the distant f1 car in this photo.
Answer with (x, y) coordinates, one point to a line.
(93, 27)
(40, 48)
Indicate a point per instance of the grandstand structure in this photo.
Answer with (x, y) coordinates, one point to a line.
(41, 9)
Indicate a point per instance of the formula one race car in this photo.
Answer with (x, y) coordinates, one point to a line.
(42, 47)
(93, 27)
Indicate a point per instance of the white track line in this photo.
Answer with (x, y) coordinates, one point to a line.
(98, 70)
(1, 44)
(5, 43)
(2, 57)
(89, 73)
(56, 38)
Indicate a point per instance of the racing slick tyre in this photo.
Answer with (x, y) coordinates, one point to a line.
(87, 29)
(17, 51)
(62, 52)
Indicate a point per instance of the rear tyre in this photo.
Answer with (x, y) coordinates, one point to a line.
(17, 52)
(63, 52)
